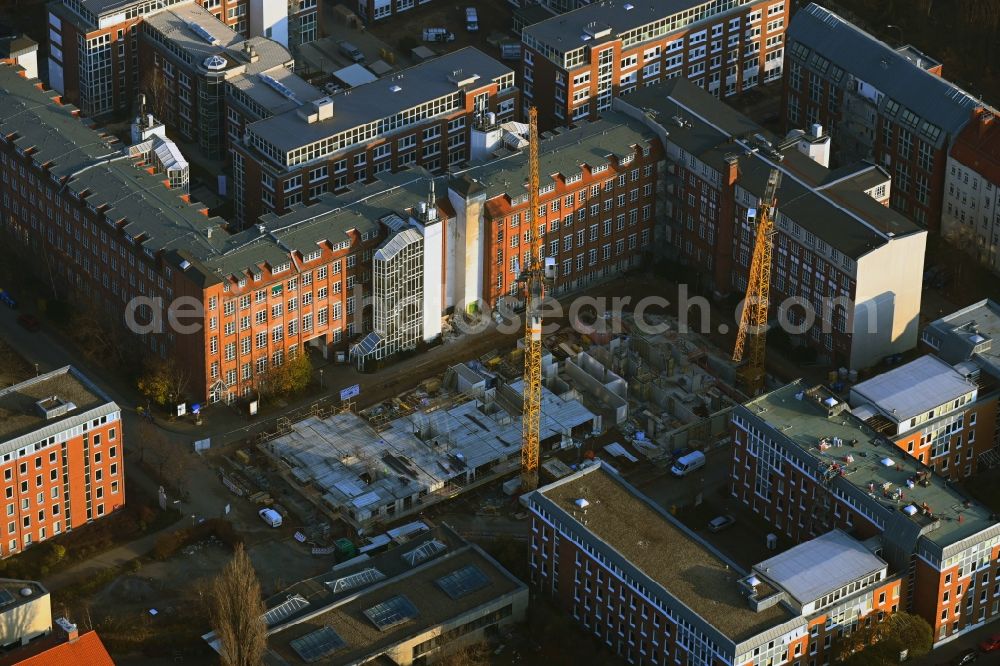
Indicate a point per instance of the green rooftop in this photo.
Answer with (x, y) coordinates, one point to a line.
(842, 449)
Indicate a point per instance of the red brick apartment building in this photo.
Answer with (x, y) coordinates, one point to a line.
(971, 214)
(890, 106)
(807, 465)
(835, 237)
(63, 457)
(371, 11)
(94, 48)
(965, 339)
(573, 64)
(654, 592)
(421, 116)
(186, 58)
(943, 416)
(108, 232)
(597, 206)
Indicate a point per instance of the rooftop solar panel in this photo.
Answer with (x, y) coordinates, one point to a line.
(462, 582)
(391, 613)
(317, 644)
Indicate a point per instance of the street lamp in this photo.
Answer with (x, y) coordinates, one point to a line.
(321, 378)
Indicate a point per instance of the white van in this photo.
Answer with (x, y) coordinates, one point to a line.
(270, 516)
(688, 463)
(351, 51)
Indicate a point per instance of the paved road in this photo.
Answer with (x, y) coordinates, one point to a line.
(949, 651)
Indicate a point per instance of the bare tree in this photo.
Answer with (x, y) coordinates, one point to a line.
(237, 611)
(477, 654)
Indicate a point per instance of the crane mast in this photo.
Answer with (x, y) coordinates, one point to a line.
(533, 291)
(753, 318)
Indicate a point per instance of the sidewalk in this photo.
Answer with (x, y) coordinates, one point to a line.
(115, 557)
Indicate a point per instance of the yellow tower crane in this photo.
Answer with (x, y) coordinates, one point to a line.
(753, 318)
(534, 287)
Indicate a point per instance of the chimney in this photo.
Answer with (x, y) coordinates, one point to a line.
(733, 174)
(70, 629)
(983, 119)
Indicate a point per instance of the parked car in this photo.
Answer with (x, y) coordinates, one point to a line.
(990, 644)
(688, 463)
(351, 51)
(29, 322)
(8, 299)
(966, 657)
(270, 516)
(720, 523)
(471, 19)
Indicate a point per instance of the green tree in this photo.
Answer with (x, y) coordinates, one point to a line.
(290, 377)
(163, 381)
(880, 643)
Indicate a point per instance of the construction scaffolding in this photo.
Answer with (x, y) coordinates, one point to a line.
(424, 446)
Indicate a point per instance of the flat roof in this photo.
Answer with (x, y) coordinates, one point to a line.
(262, 92)
(177, 24)
(972, 333)
(355, 75)
(819, 566)
(795, 414)
(373, 101)
(12, 589)
(200, 36)
(418, 584)
(914, 388)
(893, 72)
(21, 416)
(564, 32)
(671, 557)
(843, 216)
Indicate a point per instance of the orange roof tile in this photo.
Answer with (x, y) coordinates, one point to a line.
(87, 650)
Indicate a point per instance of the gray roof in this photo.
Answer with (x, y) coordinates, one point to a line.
(892, 72)
(969, 334)
(796, 421)
(88, 162)
(643, 541)
(817, 567)
(21, 421)
(272, 102)
(84, 160)
(373, 101)
(843, 216)
(914, 388)
(563, 151)
(326, 601)
(564, 32)
(99, 7)
(176, 26)
(13, 46)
